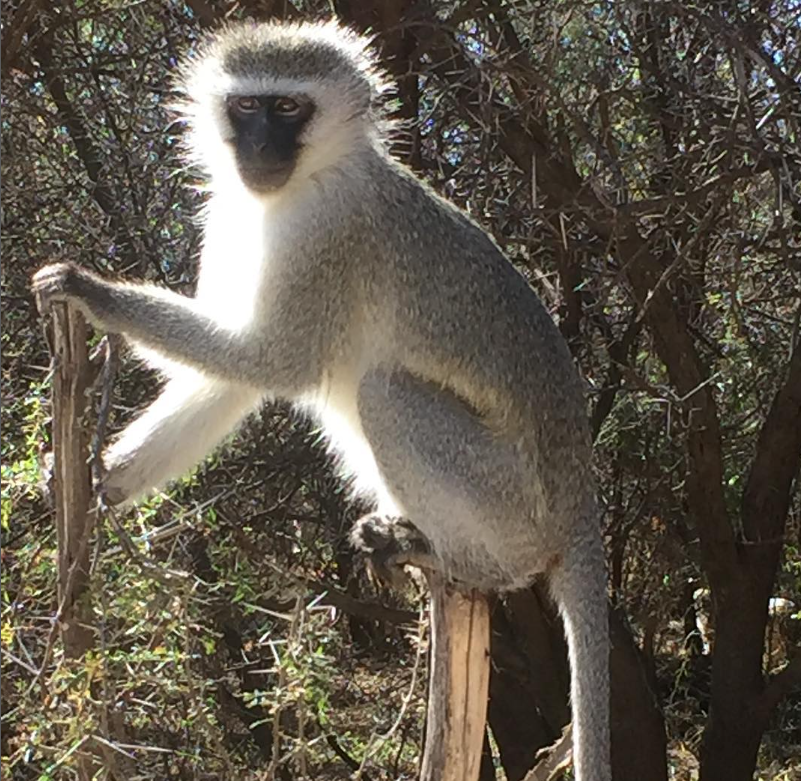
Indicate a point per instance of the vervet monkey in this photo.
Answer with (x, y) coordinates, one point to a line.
(331, 276)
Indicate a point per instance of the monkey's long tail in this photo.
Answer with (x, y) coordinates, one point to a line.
(579, 587)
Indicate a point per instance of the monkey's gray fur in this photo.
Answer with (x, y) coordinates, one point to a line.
(336, 279)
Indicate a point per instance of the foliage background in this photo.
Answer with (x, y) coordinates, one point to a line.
(640, 164)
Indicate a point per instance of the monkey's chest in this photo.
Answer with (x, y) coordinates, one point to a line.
(234, 268)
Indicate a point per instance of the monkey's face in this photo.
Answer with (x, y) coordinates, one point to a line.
(269, 105)
(266, 138)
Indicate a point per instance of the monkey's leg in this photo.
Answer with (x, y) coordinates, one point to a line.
(452, 478)
(190, 417)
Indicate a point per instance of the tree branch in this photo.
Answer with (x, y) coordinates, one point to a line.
(15, 31)
(88, 153)
(766, 498)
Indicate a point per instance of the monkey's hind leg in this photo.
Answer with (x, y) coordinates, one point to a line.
(450, 477)
(390, 544)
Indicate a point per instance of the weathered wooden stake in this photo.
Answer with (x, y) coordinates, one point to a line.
(73, 484)
(458, 682)
(72, 488)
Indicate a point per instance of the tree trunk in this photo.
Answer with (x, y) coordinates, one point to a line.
(735, 724)
(529, 680)
(73, 485)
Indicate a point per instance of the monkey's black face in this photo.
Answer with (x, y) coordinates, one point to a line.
(267, 137)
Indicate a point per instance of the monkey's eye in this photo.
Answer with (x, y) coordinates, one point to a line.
(244, 104)
(286, 107)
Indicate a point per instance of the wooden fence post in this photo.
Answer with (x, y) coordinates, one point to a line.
(458, 682)
(72, 486)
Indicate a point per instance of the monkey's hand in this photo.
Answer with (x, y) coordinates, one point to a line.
(116, 489)
(101, 301)
(63, 282)
(133, 468)
(116, 482)
(53, 283)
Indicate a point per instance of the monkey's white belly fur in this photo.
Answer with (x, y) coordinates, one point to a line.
(234, 262)
(336, 409)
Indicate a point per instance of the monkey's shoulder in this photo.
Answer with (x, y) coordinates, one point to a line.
(425, 225)
(439, 247)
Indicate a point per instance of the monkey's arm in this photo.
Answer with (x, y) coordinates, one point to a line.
(163, 321)
(187, 421)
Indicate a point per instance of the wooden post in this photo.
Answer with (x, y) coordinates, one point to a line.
(73, 490)
(458, 682)
(73, 484)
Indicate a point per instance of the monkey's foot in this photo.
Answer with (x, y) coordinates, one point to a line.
(390, 544)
